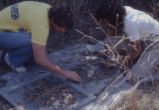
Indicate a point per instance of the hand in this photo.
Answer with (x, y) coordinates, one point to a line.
(72, 75)
(135, 50)
(133, 46)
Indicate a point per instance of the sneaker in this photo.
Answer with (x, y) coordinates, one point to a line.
(20, 69)
(16, 69)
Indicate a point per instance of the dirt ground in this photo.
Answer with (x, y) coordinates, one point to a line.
(146, 96)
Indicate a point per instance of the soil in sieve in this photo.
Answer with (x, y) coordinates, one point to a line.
(52, 94)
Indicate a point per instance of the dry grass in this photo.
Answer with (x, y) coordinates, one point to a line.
(145, 97)
(133, 100)
(111, 48)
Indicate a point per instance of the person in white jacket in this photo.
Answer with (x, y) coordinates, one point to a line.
(138, 26)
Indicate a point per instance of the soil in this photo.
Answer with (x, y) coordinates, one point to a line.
(52, 94)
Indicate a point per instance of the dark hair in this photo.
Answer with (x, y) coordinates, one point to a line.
(61, 16)
(110, 11)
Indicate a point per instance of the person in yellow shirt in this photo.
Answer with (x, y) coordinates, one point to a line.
(24, 30)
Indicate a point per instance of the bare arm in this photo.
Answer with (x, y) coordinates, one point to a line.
(41, 58)
(133, 52)
(136, 50)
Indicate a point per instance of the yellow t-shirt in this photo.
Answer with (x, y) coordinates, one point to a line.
(28, 16)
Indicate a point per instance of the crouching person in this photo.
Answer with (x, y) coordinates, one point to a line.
(138, 26)
(24, 32)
